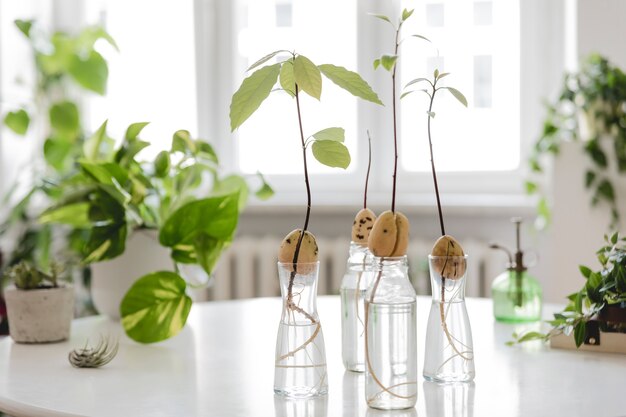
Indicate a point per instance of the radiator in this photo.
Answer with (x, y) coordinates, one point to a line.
(248, 268)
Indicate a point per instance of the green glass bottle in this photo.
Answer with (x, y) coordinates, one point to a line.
(517, 296)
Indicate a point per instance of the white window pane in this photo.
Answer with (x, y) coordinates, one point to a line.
(482, 81)
(152, 78)
(284, 15)
(482, 13)
(269, 141)
(483, 63)
(434, 15)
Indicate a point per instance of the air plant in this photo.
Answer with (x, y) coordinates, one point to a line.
(94, 357)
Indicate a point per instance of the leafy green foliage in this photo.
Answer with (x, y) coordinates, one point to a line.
(18, 121)
(596, 92)
(25, 276)
(307, 76)
(606, 287)
(350, 81)
(156, 307)
(332, 133)
(253, 91)
(331, 153)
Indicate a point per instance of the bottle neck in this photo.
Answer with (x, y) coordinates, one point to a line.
(448, 277)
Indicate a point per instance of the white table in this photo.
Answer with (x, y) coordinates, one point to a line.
(222, 364)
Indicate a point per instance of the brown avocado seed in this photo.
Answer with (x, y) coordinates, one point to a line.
(450, 262)
(362, 226)
(307, 255)
(389, 236)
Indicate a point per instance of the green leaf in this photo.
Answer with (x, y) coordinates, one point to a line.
(265, 192)
(287, 80)
(431, 114)
(156, 307)
(388, 61)
(208, 251)
(265, 59)
(382, 17)
(307, 76)
(252, 92)
(421, 37)
(162, 164)
(89, 35)
(214, 216)
(376, 63)
(614, 238)
(436, 73)
(417, 80)
(605, 189)
(350, 81)
(531, 336)
(56, 152)
(458, 95)
(64, 118)
(105, 242)
(331, 153)
(579, 333)
(134, 130)
(578, 302)
(233, 184)
(584, 270)
(443, 74)
(110, 177)
(406, 14)
(531, 187)
(91, 147)
(182, 142)
(17, 121)
(24, 26)
(90, 72)
(76, 215)
(406, 93)
(332, 133)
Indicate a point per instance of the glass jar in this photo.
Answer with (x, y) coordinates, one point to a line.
(517, 297)
(390, 337)
(300, 366)
(353, 288)
(449, 352)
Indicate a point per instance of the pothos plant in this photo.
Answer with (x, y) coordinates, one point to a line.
(589, 111)
(603, 290)
(66, 66)
(181, 194)
(295, 75)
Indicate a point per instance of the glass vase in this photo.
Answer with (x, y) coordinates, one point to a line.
(300, 366)
(517, 297)
(390, 337)
(449, 352)
(353, 288)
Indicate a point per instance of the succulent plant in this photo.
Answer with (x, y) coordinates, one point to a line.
(26, 276)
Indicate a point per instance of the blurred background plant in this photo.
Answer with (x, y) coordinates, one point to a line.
(590, 111)
(66, 68)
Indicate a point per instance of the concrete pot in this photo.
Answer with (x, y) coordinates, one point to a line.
(110, 280)
(41, 315)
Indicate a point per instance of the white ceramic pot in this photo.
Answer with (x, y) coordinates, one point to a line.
(41, 315)
(110, 280)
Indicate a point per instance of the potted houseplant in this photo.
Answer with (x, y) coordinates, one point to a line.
(179, 198)
(40, 308)
(595, 316)
(589, 115)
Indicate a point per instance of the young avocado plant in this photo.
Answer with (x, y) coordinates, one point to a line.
(449, 259)
(297, 74)
(389, 236)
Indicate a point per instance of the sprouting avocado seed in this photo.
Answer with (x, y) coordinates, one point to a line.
(451, 261)
(308, 250)
(363, 223)
(389, 235)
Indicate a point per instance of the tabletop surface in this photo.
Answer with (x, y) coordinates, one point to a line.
(222, 364)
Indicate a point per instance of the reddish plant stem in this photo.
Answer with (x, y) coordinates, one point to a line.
(432, 160)
(369, 166)
(395, 125)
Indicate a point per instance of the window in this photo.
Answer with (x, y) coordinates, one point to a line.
(153, 76)
(269, 141)
(476, 41)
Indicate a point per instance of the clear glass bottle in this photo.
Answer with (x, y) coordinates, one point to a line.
(390, 337)
(517, 297)
(449, 352)
(300, 367)
(354, 285)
